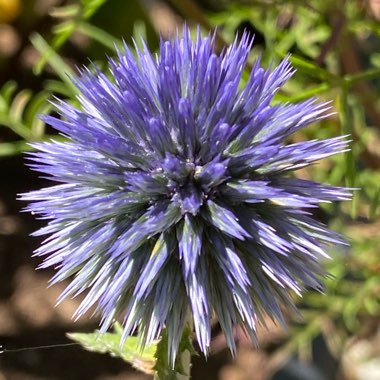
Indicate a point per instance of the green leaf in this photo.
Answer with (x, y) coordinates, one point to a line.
(21, 112)
(65, 11)
(18, 105)
(54, 59)
(13, 148)
(310, 68)
(6, 94)
(130, 351)
(73, 15)
(324, 87)
(58, 88)
(38, 105)
(90, 7)
(352, 79)
(100, 36)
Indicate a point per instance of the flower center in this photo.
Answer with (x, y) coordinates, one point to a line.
(192, 183)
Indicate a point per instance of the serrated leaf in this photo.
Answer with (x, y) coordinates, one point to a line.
(130, 351)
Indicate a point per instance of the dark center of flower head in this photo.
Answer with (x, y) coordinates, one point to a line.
(191, 184)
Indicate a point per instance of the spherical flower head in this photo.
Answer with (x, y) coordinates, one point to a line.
(175, 195)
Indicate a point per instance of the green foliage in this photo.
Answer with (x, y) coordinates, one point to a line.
(334, 46)
(20, 113)
(109, 343)
(153, 359)
(73, 16)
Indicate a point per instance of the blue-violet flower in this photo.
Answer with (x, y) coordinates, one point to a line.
(174, 193)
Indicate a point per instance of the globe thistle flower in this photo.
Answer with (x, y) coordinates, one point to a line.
(175, 195)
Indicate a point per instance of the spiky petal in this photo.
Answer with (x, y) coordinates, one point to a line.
(174, 193)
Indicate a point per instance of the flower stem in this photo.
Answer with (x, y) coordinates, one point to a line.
(182, 366)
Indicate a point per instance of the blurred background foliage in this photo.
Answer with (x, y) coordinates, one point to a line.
(335, 47)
